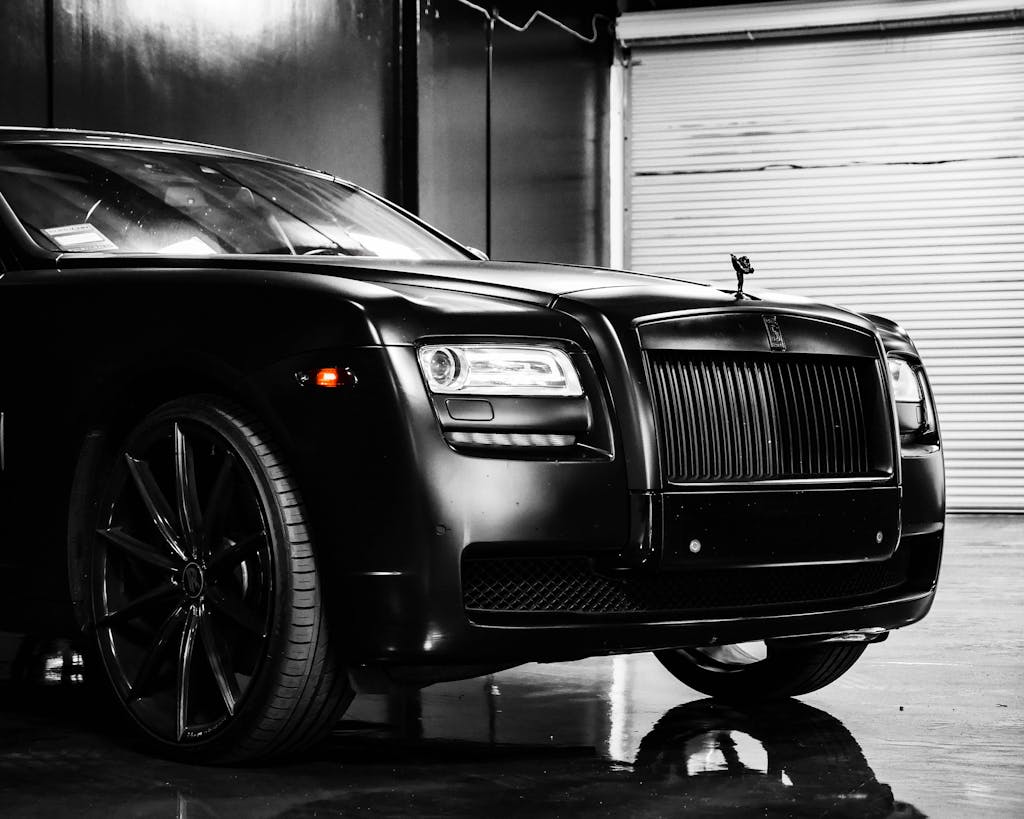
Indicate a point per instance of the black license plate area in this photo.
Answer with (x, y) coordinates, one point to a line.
(776, 528)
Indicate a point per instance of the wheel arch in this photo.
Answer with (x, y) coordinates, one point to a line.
(120, 401)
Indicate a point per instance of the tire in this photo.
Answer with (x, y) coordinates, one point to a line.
(784, 671)
(200, 589)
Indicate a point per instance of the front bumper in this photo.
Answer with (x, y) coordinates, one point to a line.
(400, 592)
(442, 630)
(398, 511)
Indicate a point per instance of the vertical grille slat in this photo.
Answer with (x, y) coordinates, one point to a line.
(788, 462)
(826, 453)
(708, 439)
(760, 431)
(773, 433)
(725, 418)
(700, 434)
(851, 429)
(835, 410)
(814, 418)
(835, 423)
(859, 427)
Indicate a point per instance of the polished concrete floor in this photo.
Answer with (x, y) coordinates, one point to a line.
(929, 723)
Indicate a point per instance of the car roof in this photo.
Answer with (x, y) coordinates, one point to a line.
(114, 139)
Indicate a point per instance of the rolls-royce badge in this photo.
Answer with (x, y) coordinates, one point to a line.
(776, 341)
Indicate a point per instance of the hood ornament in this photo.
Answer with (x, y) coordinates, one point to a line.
(743, 267)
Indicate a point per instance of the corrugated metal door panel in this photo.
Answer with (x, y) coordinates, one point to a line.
(884, 173)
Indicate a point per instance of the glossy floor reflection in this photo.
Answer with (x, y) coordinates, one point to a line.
(928, 723)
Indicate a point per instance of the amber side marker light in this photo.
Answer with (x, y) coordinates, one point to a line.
(328, 377)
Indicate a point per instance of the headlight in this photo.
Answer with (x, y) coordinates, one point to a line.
(486, 369)
(912, 409)
(905, 384)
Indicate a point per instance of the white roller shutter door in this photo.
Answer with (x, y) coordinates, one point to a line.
(881, 172)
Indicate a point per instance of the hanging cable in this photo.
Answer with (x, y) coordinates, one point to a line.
(488, 141)
(493, 15)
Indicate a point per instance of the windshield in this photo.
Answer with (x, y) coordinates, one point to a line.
(120, 200)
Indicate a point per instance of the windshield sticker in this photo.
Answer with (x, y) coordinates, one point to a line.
(83, 238)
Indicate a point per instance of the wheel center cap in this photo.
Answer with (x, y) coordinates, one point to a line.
(192, 580)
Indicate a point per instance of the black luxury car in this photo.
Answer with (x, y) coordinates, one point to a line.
(271, 440)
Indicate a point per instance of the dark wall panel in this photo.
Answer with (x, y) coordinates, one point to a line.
(308, 80)
(453, 81)
(550, 100)
(549, 126)
(23, 83)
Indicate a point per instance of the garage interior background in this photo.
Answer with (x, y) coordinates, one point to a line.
(867, 152)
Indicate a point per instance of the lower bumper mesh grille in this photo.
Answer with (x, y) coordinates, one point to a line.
(570, 585)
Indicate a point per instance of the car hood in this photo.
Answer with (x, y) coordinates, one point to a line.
(622, 297)
(533, 282)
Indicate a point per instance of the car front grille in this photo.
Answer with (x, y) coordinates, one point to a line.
(571, 585)
(761, 417)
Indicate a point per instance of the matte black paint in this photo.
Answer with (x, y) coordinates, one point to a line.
(91, 343)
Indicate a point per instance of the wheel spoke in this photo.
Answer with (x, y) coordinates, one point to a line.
(219, 663)
(139, 604)
(138, 549)
(156, 503)
(231, 605)
(151, 664)
(217, 501)
(184, 681)
(234, 553)
(185, 491)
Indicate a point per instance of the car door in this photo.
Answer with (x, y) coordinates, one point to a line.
(6, 553)
(26, 570)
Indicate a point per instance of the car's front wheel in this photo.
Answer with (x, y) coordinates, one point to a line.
(202, 591)
(755, 672)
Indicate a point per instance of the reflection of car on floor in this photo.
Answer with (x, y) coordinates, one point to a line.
(762, 759)
(288, 439)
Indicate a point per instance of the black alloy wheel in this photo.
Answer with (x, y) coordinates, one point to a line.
(758, 672)
(204, 594)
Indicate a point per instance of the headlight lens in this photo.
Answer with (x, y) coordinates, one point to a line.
(905, 384)
(914, 410)
(487, 369)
